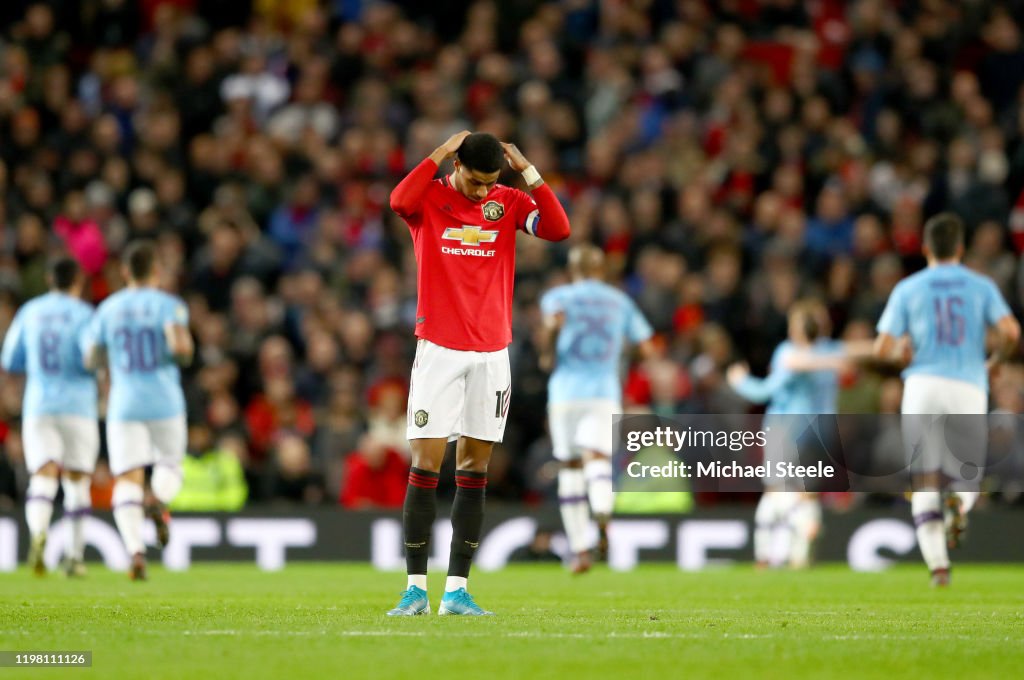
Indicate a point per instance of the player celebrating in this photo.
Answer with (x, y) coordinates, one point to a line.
(60, 432)
(145, 334)
(945, 310)
(801, 381)
(591, 320)
(463, 229)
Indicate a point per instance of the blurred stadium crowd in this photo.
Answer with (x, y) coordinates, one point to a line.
(730, 157)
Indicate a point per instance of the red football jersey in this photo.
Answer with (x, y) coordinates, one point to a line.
(466, 255)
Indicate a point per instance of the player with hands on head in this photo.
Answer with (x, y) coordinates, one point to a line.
(463, 226)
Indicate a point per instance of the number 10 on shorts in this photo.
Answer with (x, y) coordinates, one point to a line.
(501, 402)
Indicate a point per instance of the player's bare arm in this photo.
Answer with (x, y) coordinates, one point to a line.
(859, 349)
(892, 350)
(517, 161)
(548, 335)
(449, 148)
(1007, 337)
(553, 224)
(808, 361)
(737, 373)
(886, 347)
(647, 350)
(179, 341)
(94, 357)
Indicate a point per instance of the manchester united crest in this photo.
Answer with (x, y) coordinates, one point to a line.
(420, 418)
(493, 211)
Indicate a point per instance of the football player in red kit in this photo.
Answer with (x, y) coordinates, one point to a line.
(463, 227)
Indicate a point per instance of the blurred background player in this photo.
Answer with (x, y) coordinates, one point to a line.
(145, 334)
(945, 310)
(802, 381)
(463, 227)
(586, 324)
(60, 431)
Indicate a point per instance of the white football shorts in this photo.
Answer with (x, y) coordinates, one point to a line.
(454, 393)
(944, 427)
(140, 443)
(582, 425)
(73, 442)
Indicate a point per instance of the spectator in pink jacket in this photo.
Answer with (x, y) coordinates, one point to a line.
(81, 236)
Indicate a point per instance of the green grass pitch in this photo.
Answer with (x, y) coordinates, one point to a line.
(327, 621)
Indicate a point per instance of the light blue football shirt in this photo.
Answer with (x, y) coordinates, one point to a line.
(789, 392)
(599, 319)
(145, 383)
(945, 310)
(43, 342)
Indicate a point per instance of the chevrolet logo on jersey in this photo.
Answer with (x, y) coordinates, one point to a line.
(470, 236)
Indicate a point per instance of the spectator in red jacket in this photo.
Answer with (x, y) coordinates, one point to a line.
(276, 411)
(375, 476)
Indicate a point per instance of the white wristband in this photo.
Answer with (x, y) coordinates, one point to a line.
(531, 176)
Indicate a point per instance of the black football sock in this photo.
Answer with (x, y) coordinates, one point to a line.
(418, 518)
(467, 520)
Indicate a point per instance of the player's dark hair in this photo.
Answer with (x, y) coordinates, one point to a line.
(811, 329)
(482, 152)
(63, 272)
(944, 234)
(809, 319)
(140, 258)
